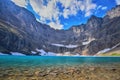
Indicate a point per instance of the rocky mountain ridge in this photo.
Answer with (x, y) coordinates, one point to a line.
(20, 32)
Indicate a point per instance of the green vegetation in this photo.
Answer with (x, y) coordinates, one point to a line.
(115, 54)
(110, 54)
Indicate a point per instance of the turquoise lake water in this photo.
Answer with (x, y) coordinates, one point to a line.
(42, 61)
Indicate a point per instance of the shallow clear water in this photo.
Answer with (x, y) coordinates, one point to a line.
(59, 68)
(42, 61)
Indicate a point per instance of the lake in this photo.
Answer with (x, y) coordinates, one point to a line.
(19, 67)
(39, 61)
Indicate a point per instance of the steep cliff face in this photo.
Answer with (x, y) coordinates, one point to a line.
(108, 35)
(115, 12)
(20, 32)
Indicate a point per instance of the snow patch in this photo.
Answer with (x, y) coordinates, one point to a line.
(115, 46)
(104, 50)
(59, 45)
(71, 46)
(51, 54)
(77, 55)
(67, 46)
(3, 54)
(17, 54)
(86, 43)
(108, 49)
(33, 52)
(59, 54)
(67, 54)
(44, 53)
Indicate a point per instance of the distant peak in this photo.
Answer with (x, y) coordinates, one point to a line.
(114, 12)
(93, 17)
(117, 6)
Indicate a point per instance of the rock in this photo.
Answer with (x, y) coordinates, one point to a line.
(77, 71)
(113, 69)
(33, 78)
(29, 75)
(91, 68)
(87, 78)
(41, 74)
(1, 75)
(37, 73)
(53, 74)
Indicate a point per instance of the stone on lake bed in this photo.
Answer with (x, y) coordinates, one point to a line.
(37, 73)
(53, 74)
(62, 73)
(40, 74)
(91, 68)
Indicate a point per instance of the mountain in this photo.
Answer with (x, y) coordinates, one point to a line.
(20, 32)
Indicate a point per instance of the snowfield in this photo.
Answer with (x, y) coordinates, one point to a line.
(44, 53)
(104, 50)
(33, 52)
(58, 45)
(86, 43)
(108, 49)
(71, 46)
(67, 46)
(17, 54)
(3, 54)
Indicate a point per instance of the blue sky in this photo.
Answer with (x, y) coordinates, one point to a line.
(62, 14)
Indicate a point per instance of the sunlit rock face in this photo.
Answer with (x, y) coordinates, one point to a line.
(20, 32)
(115, 12)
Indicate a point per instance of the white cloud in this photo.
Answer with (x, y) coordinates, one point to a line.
(118, 2)
(89, 6)
(21, 3)
(51, 11)
(71, 7)
(88, 13)
(101, 7)
(104, 8)
(56, 25)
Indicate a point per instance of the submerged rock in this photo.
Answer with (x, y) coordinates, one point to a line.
(21, 32)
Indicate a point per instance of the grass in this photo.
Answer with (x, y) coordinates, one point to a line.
(110, 54)
(116, 54)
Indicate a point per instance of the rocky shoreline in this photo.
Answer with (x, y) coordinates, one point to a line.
(61, 73)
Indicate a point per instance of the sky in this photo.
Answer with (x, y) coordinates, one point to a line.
(62, 14)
